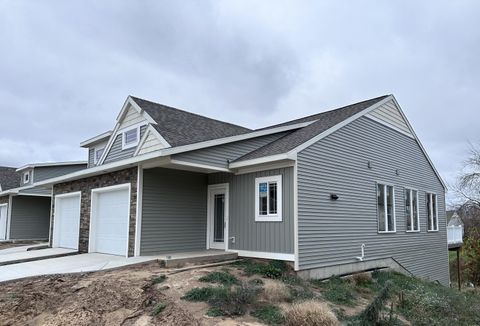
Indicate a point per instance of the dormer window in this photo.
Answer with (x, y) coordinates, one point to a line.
(130, 137)
(98, 154)
(26, 177)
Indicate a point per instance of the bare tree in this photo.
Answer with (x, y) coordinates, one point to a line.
(468, 184)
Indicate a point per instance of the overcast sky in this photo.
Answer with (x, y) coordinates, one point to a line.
(67, 67)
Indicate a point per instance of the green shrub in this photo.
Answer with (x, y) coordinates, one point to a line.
(274, 269)
(336, 290)
(223, 277)
(158, 308)
(203, 294)
(233, 301)
(270, 315)
(372, 313)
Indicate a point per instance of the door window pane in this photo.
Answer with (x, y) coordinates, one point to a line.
(219, 216)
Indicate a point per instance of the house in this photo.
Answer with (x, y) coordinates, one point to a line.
(24, 207)
(340, 191)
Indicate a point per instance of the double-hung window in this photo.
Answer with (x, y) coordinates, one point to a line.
(268, 199)
(432, 212)
(130, 138)
(386, 208)
(411, 210)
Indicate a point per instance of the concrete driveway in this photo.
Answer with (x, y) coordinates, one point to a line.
(69, 264)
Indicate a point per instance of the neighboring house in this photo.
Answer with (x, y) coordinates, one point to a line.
(24, 207)
(313, 191)
(9, 178)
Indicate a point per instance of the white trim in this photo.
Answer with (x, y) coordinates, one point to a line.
(430, 227)
(211, 189)
(295, 217)
(96, 139)
(55, 233)
(200, 166)
(264, 255)
(32, 194)
(26, 177)
(93, 199)
(95, 150)
(9, 216)
(138, 219)
(411, 217)
(46, 164)
(278, 217)
(135, 128)
(261, 160)
(6, 220)
(385, 205)
(265, 167)
(386, 124)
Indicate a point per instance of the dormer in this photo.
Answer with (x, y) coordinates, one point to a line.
(36, 172)
(96, 147)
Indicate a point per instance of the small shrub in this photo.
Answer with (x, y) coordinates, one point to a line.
(336, 290)
(310, 313)
(274, 291)
(203, 294)
(159, 279)
(233, 301)
(270, 315)
(372, 313)
(158, 308)
(274, 269)
(223, 277)
(362, 279)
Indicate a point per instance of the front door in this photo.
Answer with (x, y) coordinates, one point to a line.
(3, 222)
(218, 216)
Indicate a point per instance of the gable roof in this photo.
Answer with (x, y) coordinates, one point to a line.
(9, 178)
(322, 122)
(180, 127)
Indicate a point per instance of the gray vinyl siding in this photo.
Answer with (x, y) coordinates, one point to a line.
(91, 159)
(331, 232)
(221, 154)
(48, 172)
(174, 211)
(116, 153)
(30, 217)
(37, 191)
(273, 237)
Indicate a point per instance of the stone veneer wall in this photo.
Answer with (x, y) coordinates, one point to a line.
(85, 186)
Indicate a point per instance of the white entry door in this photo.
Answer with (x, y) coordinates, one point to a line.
(3, 221)
(218, 216)
(110, 220)
(66, 221)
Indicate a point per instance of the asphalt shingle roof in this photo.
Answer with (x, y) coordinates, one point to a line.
(9, 179)
(179, 127)
(324, 121)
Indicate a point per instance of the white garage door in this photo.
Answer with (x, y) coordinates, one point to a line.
(3, 222)
(66, 222)
(110, 218)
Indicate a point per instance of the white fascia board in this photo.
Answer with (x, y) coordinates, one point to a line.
(231, 139)
(261, 160)
(48, 164)
(152, 130)
(96, 139)
(419, 143)
(162, 140)
(199, 166)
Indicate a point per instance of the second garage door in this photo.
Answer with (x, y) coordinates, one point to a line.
(110, 220)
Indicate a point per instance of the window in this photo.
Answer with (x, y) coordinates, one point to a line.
(268, 199)
(386, 208)
(432, 212)
(98, 154)
(26, 177)
(130, 138)
(411, 210)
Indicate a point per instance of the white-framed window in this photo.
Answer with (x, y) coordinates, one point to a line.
(412, 210)
(268, 199)
(97, 154)
(386, 208)
(432, 211)
(130, 137)
(26, 177)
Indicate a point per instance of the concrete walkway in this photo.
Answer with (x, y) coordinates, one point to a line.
(22, 248)
(15, 257)
(70, 264)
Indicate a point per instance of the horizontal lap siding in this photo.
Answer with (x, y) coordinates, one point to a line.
(220, 155)
(274, 237)
(331, 232)
(174, 212)
(30, 217)
(116, 153)
(44, 173)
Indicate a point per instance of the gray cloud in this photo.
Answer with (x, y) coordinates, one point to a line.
(67, 67)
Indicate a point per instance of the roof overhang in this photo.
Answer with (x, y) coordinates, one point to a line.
(48, 164)
(97, 139)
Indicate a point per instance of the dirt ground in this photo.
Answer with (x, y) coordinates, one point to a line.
(118, 297)
(6, 245)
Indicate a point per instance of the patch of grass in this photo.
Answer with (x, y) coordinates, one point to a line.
(234, 301)
(336, 290)
(256, 282)
(276, 291)
(158, 308)
(271, 315)
(310, 313)
(222, 277)
(215, 312)
(203, 294)
(273, 269)
(159, 279)
(292, 280)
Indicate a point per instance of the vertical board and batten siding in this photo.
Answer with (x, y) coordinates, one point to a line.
(30, 217)
(272, 237)
(48, 172)
(174, 211)
(390, 114)
(91, 159)
(116, 153)
(332, 232)
(221, 154)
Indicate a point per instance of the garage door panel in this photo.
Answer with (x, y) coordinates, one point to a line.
(111, 219)
(67, 222)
